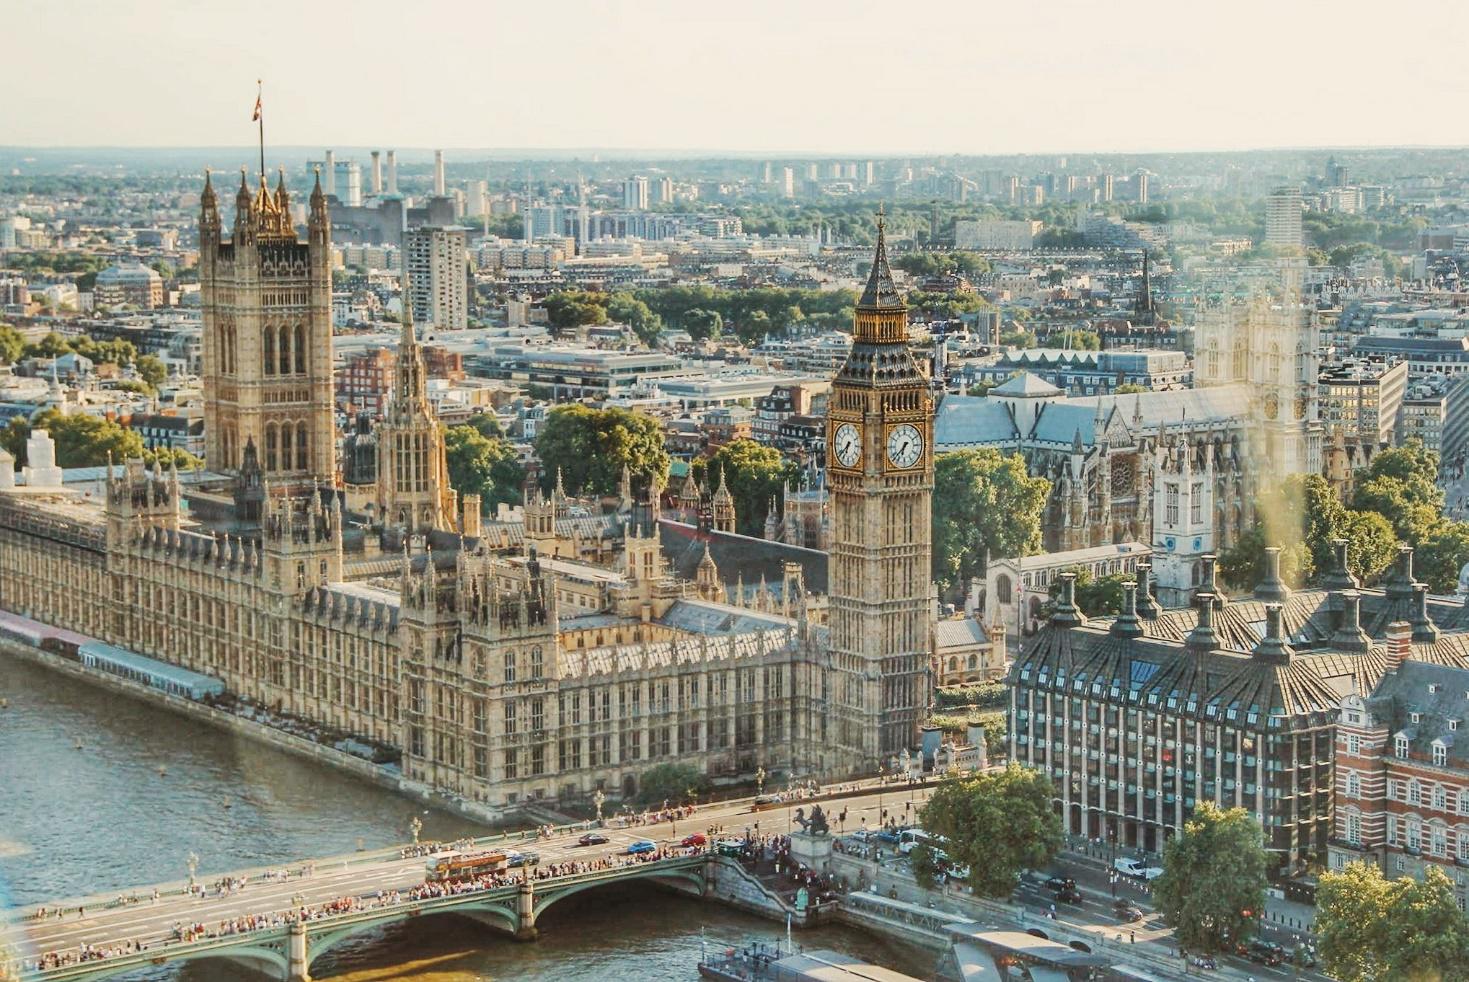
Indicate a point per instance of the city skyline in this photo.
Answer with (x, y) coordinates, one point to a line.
(1146, 79)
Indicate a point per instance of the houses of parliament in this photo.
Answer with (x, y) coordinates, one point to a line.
(501, 666)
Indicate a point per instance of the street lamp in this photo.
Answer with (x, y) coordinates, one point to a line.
(598, 799)
(415, 827)
(193, 863)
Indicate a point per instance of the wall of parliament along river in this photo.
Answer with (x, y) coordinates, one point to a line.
(147, 787)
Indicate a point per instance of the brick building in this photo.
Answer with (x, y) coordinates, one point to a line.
(1402, 782)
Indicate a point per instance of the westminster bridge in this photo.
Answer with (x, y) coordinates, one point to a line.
(281, 920)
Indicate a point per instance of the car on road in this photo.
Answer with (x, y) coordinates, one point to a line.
(1265, 952)
(1137, 869)
(515, 859)
(862, 835)
(1127, 911)
(890, 836)
(695, 839)
(641, 846)
(730, 847)
(592, 839)
(1060, 883)
(1068, 895)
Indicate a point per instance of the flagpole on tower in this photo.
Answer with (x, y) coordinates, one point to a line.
(260, 119)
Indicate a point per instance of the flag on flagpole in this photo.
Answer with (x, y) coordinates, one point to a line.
(255, 116)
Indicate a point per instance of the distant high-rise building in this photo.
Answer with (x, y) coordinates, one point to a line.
(1106, 184)
(834, 169)
(437, 281)
(1142, 187)
(662, 191)
(788, 182)
(635, 193)
(869, 173)
(1283, 218)
(813, 171)
(767, 173)
(1337, 175)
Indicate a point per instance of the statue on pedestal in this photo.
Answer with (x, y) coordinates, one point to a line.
(816, 824)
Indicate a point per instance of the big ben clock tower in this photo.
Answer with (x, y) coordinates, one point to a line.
(879, 437)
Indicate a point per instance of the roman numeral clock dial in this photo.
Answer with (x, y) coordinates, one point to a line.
(905, 445)
(847, 445)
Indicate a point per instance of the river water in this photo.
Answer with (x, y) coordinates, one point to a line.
(147, 787)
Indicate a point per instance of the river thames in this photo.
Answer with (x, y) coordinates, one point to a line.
(147, 787)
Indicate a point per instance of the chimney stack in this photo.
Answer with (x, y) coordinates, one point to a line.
(329, 185)
(1146, 605)
(1424, 630)
(1272, 588)
(392, 172)
(1066, 613)
(438, 173)
(1349, 635)
(377, 173)
(1340, 576)
(1127, 625)
(1273, 647)
(1202, 638)
(1399, 636)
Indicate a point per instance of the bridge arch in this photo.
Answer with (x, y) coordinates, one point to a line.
(498, 916)
(268, 958)
(685, 880)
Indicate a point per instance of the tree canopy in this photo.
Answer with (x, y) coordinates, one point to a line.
(997, 824)
(85, 441)
(624, 308)
(1302, 515)
(575, 308)
(1096, 596)
(1372, 928)
(670, 782)
(984, 502)
(1213, 885)
(756, 476)
(483, 465)
(589, 448)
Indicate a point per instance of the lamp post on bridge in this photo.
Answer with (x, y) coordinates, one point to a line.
(598, 799)
(415, 826)
(192, 861)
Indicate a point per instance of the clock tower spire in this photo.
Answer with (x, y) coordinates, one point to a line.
(880, 466)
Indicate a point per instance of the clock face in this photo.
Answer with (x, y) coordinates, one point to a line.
(905, 445)
(847, 445)
(1272, 405)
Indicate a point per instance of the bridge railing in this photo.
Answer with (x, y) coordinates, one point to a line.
(171, 950)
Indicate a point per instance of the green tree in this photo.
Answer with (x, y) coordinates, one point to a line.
(756, 476)
(81, 440)
(1441, 555)
(1128, 388)
(983, 503)
(1372, 928)
(925, 866)
(483, 465)
(997, 824)
(1018, 336)
(589, 448)
(12, 343)
(1214, 874)
(486, 425)
(151, 370)
(574, 308)
(624, 308)
(1373, 544)
(702, 324)
(1401, 485)
(671, 783)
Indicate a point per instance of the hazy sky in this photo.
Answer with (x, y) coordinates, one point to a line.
(906, 76)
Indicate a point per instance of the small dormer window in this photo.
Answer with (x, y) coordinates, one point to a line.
(1453, 724)
(1440, 754)
(1400, 747)
(1415, 717)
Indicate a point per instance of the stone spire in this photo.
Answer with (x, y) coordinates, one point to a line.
(880, 293)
